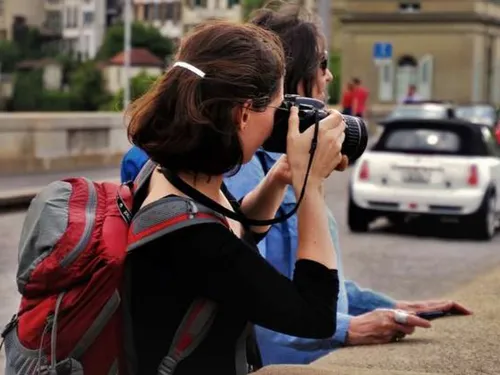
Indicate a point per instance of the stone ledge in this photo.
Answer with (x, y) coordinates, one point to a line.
(453, 346)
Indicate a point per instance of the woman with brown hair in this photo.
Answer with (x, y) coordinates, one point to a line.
(205, 117)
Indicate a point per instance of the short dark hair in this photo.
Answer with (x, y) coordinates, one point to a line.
(303, 41)
(186, 122)
(356, 81)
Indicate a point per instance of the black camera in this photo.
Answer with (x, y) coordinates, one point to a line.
(311, 111)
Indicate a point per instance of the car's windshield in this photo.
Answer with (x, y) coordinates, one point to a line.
(479, 114)
(419, 111)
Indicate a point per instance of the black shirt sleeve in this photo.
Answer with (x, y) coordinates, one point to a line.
(217, 265)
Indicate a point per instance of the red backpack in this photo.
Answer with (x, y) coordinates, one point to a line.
(71, 277)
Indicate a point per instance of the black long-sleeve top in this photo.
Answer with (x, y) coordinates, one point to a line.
(209, 261)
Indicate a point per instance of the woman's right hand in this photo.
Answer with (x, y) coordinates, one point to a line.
(327, 156)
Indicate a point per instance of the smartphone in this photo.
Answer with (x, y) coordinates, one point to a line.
(431, 315)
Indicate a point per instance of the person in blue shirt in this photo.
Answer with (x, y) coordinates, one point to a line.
(132, 163)
(363, 316)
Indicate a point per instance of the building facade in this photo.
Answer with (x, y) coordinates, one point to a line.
(166, 15)
(31, 11)
(83, 26)
(449, 49)
(197, 11)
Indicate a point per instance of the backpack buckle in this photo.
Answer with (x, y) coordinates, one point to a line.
(10, 326)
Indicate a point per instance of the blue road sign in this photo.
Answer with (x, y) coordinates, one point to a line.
(382, 51)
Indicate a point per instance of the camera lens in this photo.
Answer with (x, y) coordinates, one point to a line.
(356, 138)
(310, 111)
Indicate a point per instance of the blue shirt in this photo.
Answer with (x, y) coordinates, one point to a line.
(279, 248)
(132, 163)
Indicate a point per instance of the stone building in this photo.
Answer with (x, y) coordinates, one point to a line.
(449, 49)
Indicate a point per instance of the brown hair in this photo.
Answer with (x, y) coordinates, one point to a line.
(186, 122)
(303, 41)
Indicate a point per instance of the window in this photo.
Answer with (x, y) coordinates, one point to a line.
(423, 141)
(53, 20)
(489, 138)
(88, 18)
(230, 3)
(425, 77)
(200, 3)
(406, 75)
(177, 12)
(409, 6)
(386, 81)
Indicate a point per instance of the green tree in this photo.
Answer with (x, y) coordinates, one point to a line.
(249, 6)
(143, 36)
(334, 89)
(28, 90)
(9, 56)
(87, 87)
(138, 87)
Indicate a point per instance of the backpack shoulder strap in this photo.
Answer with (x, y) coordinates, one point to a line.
(168, 215)
(158, 219)
(190, 333)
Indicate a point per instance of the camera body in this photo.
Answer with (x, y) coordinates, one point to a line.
(310, 111)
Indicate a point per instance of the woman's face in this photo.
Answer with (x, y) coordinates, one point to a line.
(322, 79)
(256, 126)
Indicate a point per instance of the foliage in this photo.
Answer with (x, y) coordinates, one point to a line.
(28, 91)
(251, 5)
(335, 89)
(55, 101)
(87, 87)
(10, 55)
(138, 87)
(143, 36)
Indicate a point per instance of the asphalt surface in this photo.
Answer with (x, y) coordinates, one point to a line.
(418, 263)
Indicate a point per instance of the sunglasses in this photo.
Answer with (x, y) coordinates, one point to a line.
(324, 62)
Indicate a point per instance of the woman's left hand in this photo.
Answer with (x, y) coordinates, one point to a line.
(281, 171)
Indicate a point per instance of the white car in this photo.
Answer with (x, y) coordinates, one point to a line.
(444, 169)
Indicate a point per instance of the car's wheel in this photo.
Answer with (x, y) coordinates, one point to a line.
(483, 223)
(357, 218)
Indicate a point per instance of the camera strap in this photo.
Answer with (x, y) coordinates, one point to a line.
(199, 197)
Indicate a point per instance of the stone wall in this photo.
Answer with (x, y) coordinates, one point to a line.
(42, 142)
(55, 142)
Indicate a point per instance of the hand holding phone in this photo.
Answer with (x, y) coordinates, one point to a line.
(431, 315)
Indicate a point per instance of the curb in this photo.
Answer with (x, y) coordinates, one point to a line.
(21, 199)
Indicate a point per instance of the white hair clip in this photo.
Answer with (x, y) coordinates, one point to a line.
(190, 67)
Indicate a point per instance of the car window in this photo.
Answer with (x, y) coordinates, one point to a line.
(479, 114)
(491, 143)
(423, 140)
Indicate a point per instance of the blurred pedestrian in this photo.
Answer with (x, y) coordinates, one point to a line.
(347, 99)
(412, 95)
(360, 98)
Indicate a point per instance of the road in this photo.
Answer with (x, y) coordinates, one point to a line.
(420, 263)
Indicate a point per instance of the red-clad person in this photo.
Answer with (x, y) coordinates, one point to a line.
(347, 99)
(360, 98)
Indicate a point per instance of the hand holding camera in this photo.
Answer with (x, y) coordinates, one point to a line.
(328, 148)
